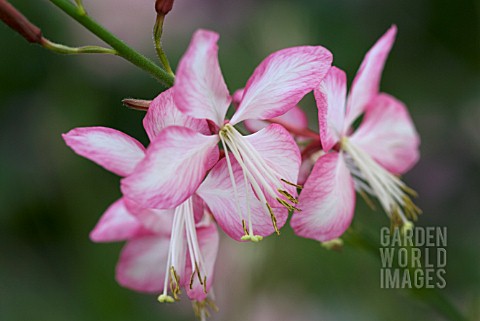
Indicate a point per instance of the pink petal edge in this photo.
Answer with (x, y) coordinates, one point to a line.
(174, 166)
(109, 148)
(366, 84)
(281, 81)
(330, 96)
(387, 133)
(163, 112)
(327, 200)
(200, 90)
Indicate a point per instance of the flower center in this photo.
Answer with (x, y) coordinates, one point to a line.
(371, 178)
(268, 186)
(183, 229)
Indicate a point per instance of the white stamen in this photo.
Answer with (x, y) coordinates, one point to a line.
(232, 177)
(183, 228)
(262, 178)
(372, 178)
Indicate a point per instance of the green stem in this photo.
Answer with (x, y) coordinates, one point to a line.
(62, 49)
(120, 47)
(432, 297)
(157, 36)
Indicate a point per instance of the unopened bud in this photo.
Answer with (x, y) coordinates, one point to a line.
(138, 104)
(15, 20)
(163, 6)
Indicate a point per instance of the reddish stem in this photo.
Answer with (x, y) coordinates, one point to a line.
(304, 132)
(15, 20)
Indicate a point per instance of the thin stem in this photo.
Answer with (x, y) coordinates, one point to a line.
(62, 49)
(157, 36)
(432, 297)
(120, 47)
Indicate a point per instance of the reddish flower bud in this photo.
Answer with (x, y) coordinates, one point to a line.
(138, 104)
(15, 20)
(163, 6)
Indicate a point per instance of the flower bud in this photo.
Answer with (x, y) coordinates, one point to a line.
(163, 6)
(138, 104)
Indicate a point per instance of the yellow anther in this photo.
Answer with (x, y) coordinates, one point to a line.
(292, 184)
(163, 298)
(288, 206)
(174, 283)
(192, 277)
(367, 200)
(201, 308)
(288, 196)
(244, 225)
(274, 219)
(412, 210)
(409, 190)
(204, 284)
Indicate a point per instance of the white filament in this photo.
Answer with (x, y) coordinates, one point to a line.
(369, 176)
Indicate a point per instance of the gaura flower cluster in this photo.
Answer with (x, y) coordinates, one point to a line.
(200, 170)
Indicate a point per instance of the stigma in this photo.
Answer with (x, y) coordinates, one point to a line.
(266, 184)
(371, 178)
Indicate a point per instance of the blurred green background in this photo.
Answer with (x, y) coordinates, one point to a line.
(50, 198)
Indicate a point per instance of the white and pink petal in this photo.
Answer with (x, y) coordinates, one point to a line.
(366, 84)
(281, 81)
(153, 220)
(163, 112)
(208, 241)
(175, 164)
(142, 263)
(388, 135)
(330, 96)
(230, 207)
(200, 90)
(116, 224)
(327, 200)
(276, 147)
(109, 148)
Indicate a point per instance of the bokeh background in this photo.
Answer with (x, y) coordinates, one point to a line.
(50, 198)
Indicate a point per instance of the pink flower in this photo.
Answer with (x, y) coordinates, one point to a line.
(166, 249)
(255, 182)
(367, 160)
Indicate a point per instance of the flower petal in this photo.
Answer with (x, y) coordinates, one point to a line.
(293, 120)
(367, 81)
(281, 81)
(280, 152)
(109, 148)
(327, 200)
(330, 96)
(163, 112)
(116, 224)
(201, 91)
(387, 133)
(208, 240)
(154, 220)
(142, 263)
(217, 191)
(175, 164)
